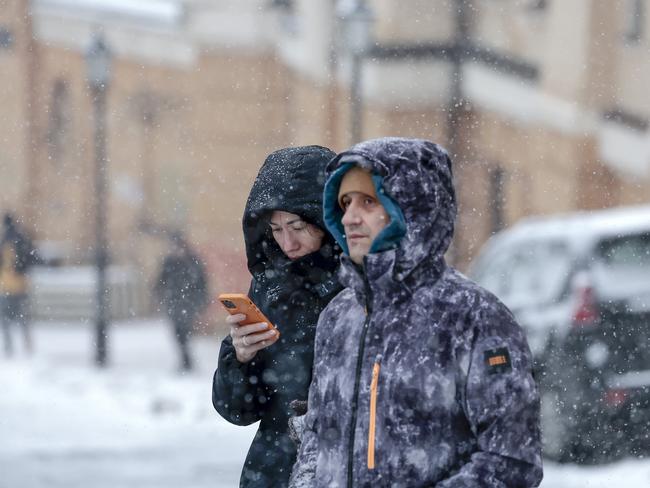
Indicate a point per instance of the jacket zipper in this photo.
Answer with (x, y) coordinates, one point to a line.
(357, 381)
(373, 416)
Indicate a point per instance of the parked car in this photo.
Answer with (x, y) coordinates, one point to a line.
(579, 285)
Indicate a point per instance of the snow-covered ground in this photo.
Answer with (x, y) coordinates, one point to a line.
(140, 423)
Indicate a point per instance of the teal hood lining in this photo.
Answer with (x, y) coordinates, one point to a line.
(388, 238)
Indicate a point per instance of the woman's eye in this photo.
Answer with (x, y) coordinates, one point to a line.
(275, 230)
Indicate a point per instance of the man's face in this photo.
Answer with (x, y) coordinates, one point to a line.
(363, 219)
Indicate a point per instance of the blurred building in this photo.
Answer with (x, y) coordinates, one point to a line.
(195, 103)
(542, 104)
(545, 98)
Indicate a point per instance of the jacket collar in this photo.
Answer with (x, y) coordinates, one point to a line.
(383, 274)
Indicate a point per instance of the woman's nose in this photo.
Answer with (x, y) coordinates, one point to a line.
(290, 243)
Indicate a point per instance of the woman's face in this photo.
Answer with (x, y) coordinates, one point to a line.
(295, 237)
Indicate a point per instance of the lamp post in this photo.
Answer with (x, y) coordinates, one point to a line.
(357, 19)
(98, 64)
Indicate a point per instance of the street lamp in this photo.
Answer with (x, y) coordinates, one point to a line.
(98, 65)
(357, 19)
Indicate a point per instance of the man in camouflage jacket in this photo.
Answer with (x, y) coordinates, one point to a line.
(421, 377)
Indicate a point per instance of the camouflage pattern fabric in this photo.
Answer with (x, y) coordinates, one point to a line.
(421, 377)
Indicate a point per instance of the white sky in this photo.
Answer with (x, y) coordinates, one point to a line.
(158, 10)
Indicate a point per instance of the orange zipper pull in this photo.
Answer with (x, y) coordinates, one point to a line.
(373, 416)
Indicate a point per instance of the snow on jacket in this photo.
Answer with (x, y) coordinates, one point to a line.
(421, 377)
(291, 294)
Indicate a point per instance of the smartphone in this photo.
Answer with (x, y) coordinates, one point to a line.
(236, 303)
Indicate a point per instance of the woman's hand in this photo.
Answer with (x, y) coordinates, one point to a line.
(248, 339)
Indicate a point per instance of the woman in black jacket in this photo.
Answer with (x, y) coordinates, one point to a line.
(293, 262)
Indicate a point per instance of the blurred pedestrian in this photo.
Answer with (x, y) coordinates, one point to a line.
(421, 377)
(182, 291)
(17, 256)
(292, 261)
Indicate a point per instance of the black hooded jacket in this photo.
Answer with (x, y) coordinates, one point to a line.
(291, 294)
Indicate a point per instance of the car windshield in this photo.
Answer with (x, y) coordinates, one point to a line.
(622, 271)
(532, 272)
(626, 252)
(623, 266)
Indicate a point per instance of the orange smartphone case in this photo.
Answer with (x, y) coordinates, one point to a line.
(236, 303)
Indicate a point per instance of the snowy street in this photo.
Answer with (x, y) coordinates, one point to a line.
(140, 423)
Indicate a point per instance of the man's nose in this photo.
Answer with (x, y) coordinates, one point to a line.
(351, 216)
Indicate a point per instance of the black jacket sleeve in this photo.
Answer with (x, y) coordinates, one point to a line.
(237, 390)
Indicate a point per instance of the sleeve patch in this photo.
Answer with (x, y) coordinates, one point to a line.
(497, 360)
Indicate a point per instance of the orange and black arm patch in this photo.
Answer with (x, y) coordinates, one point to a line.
(497, 360)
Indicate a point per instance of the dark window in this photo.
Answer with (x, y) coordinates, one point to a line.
(287, 18)
(6, 38)
(634, 20)
(632, 251)
(288, 4)
(537, 5)
(497, 199)
(624, 117)
(59, 120)
(622, 268)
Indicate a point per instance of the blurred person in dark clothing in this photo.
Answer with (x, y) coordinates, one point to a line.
(293, 261)
(182, 291)
(17, 256)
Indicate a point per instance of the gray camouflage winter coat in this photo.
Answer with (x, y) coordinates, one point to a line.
(421, 377)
